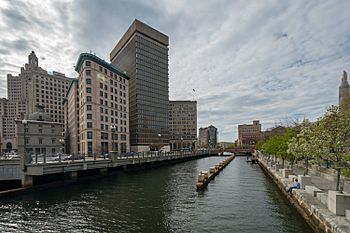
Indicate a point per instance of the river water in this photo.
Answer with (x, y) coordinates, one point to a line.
(164, 199)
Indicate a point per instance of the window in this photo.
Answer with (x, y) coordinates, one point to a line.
(53, 140)
(88, 98)
(88, 107)
(101, 93)
(88, 81)
(89, 135)
(87, 63)
(40, 141)
(89, 125)
(102, 126)
(123, 137)
(88, 90)
(101, 85)
(88, 72)
(100, 68)
(89, 116)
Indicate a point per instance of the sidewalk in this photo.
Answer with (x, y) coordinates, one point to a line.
(313, 209)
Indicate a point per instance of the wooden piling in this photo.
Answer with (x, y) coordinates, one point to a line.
(205, 177)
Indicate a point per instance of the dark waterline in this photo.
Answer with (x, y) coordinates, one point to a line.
(240, 199)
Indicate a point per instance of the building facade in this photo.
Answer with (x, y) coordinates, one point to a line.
(183, 124)
(72, 126)
(143, 53)
(98, 106)
(39, 134)
(249, 134)
(208, 137)
(275, 131)
(33, 86)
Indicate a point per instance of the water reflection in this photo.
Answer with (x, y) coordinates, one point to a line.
(240, 199)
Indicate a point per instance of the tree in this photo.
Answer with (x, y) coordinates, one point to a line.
(331, 138)
(302, 146)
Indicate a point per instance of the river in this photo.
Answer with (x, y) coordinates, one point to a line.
(163, 199)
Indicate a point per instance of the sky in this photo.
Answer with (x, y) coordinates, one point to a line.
(268, 60)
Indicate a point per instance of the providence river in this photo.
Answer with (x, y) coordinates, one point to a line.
(240, 199)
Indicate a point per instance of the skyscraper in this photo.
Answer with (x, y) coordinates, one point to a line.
(143, 53)
(344, 96)
(33, 86)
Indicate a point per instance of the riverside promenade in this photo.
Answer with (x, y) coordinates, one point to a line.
(324, 209)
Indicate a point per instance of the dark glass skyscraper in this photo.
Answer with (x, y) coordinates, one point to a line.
(143, 53)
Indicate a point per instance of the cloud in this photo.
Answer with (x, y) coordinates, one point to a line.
(272, 60)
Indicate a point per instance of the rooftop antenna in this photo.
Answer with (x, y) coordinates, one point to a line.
(193, 92)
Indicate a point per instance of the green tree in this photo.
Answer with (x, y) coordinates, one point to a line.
(331, 138)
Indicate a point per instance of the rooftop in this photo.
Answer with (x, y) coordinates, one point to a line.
(91, 57)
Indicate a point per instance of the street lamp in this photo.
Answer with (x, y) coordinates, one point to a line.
(25, 159)
(114, 129)
(62, 142)
(159, 136)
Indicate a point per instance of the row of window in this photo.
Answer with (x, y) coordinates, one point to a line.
(104, 136)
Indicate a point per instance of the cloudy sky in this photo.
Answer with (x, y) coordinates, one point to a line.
(276, 61)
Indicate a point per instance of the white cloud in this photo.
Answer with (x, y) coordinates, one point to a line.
(268, 60)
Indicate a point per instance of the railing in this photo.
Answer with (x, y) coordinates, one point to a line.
(62, 158)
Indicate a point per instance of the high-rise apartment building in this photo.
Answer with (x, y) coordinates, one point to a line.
(99, 104)
(249, 134)
(143, 53)
(33, 86)
(182, 124)
(208, 137)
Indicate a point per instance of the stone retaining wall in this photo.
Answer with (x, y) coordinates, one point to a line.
(314, 212)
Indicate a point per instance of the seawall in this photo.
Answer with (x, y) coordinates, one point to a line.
(313, 211)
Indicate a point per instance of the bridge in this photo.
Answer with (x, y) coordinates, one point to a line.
(30, 174)
(237, 151)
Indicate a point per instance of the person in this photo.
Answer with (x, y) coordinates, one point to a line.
(296, 185)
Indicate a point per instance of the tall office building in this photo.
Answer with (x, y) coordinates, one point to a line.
(183, 124)
(143, 53)
(98, 108)
(33, 86)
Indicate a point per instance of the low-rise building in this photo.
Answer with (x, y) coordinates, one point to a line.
(275, 131)
(249, 134)
(39, 134)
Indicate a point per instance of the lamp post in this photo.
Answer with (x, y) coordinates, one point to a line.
(159, 137)
(209, 146)
(113, 129)
(61, 140)
(24, 159)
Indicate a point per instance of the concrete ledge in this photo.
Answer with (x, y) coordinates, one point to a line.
(347, 214)
(304, 180)
(338, 202)
(323, 198)
(287, 172)
(313, 190)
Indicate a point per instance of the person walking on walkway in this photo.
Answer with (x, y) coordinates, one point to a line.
(296, 185)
